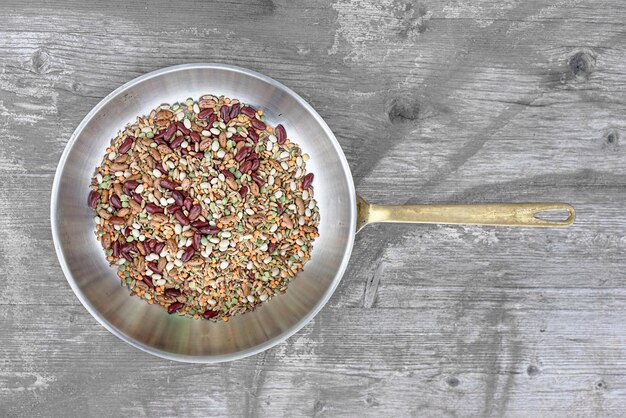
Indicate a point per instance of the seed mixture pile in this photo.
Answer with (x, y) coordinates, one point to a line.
(204, 208)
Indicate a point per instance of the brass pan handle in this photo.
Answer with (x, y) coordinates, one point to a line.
(506, 214)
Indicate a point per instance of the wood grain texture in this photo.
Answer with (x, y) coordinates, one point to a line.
(453, 101)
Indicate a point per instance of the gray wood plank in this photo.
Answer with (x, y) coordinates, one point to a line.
(457, 101)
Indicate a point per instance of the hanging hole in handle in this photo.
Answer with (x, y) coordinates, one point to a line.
(564, 215)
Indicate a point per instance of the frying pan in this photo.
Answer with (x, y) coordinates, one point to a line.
(149, 327)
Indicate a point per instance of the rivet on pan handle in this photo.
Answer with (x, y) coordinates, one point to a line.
(505, 214)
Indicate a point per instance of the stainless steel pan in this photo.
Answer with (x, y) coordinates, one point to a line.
(151, 328)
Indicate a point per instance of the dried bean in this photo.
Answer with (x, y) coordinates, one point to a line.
(209, 230)
(281, 134)
(208, 314)
(169, 184)
(245, 166)
(93, 199)
(253, 135)
(194, 212)
(257, 124)
(204, 114)
(197, 237)
(248, 111)
(174, 307)
(152, 208)
(126, 145)
(180, 217)
(147, 280)
(187, 254)
(307, 180)
(173, 293)
(182, 128)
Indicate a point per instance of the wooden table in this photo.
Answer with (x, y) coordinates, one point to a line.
(456, 101)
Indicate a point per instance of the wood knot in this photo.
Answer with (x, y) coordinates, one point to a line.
(582, 64)
(40, 61)
(611, 139)
(532, 370)
(453, 381)
(600, 385)
(403, 110)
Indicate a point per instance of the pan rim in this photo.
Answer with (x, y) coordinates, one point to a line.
(185, 357)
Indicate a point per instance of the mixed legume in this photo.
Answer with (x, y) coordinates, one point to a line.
(204, 208)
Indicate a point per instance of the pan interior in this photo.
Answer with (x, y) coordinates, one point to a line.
(150, 327)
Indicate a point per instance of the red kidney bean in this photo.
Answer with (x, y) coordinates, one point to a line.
(160, 141)
(243, 191)
(228, 174)
(137, 197)
(174, 307)
(279, 209)
(181, 127)
(255, 165)
(307, 180)
(212, 119)
(187, 254)
(178, 197)
(248, 111)
(184, 151)
(251, 276)
(180, 217)
(199, 224)
(237, 138)
(162, 169)
(204, 114)
(173, 208)
(194, 212)
(125, 147)
(153, 266)
(127, 256)
(197, 240)
(93, 198)
(116, 202)
(209, 230)
(127, 231)
(126, 248)
(208, 314)
(253, 135)
(149, 245)
(242, 153)
(158, 247)
(147, 280)
(271, 247)
(245, 166)
(173, 293)
(116, 249)
(169, 184)
(188, 203)
(257, 124)
(152, 208)
(225, 113)
(281, 134)
(234, 111)
(170, 131)
(258, 180)
(251, 156)
(177, 141)
(194, 136)
(129, 186)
